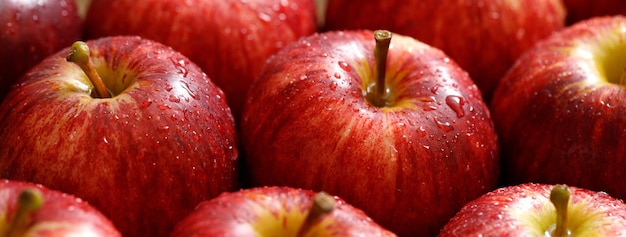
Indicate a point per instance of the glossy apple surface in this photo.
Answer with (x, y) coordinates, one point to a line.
(47, 212)
(145, 157)
(32, 30)
(561, 108)
(275, 211)
(483, 37)
(229, 39)
(410, 165)
(527, 210)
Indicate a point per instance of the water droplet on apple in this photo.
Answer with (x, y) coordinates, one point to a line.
(445, 126)
(36, 18)
(174, 99)
(456, 104)
(429, 107)
(145, 104)
(333, 86)
(163, 128)
(421, 131)
(337, 75)
(427, 99)
(345, 66)
(191, 93)
(168, 88)
(282, 16)
(163, 107)
(265, 17)
(434, 89)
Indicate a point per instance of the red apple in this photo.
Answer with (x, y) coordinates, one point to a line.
(484, 37)
(277, 211)
(540, 210)
(229, 39)
(563, 107)
(164, 141)
(406, 139)
(32, 30)
(578, 10)
(33, 210)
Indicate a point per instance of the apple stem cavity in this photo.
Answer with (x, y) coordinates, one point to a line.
(323, 203)
(29, 201)
(559, 196)
(80, 55)
(378, 96)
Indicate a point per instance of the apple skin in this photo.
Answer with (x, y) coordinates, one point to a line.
(273, 211)
(556, 110)
(31, 31)
(578, 10)
(61, 214)
(526, 210)
(145, 157)
(229, 39)
(409, 166)
(484, 37)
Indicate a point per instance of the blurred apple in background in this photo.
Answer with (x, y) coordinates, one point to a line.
(277, 211)
(540, 210)
(32, 30)
(578, 10)
(484, 37)
(144, 143)
(229, 39)
(33, 210)
(406, 139)
(563, 107)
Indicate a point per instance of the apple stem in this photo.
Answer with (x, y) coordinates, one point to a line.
(323, 203)
(29, 201)
(559, 196)
(80, 55)
(383, 40)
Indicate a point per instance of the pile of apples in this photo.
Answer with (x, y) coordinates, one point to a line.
(312, 118)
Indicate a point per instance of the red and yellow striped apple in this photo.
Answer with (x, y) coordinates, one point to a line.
(129, 125)
(563, 107)
(540, 210)
(404, 135)
(277, 211)
(28, 209)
